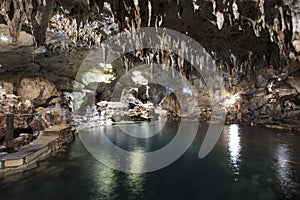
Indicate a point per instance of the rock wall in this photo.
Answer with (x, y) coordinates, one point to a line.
(36, 105)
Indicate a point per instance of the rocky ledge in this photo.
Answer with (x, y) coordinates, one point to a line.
(28, 156)
(34, 122)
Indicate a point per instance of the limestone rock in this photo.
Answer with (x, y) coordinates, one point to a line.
(38, 123)
(259, 101)
(24, 38)
(171, 103)
(2, 133)
(48, 117)
(295, 83)
(151, 92)
(7, 86)
(286, 93)
(292, 68)
(10, 103)
(261, 81)
(296, 44)
(37, 90)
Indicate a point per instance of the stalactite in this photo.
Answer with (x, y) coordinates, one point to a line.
(220, 19)
(149, 13)
(261, 5)
(158, 21)
(235, 11)
(15, 24)
(166, 60)
(28, 9)
(126, 62)
(180, 58)
(173, 64)
(229, 14)
(138, 19)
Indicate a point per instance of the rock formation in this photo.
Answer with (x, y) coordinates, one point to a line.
(256, 45)
(29, 116)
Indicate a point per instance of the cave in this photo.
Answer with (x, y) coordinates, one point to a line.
(143, 87)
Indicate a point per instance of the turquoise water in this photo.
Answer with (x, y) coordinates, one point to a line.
(246, 163)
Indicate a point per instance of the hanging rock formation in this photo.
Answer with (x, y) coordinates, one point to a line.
(256, 45)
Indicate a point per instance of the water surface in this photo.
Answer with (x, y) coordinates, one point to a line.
(247, 163)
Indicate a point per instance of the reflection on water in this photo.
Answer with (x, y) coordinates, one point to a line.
(263, 164)
(284, 169)
(137, 161)
(136, 182)
(143, 129)
(234, 148)
(105, 179)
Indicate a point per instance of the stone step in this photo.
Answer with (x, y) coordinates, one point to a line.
(28, 153)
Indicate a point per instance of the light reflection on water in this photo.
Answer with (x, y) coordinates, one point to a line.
(234, 148)
(106, 181)
(263, 164)
(136, 182)
(284, 169)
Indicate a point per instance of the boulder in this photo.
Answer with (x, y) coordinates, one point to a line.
(116, 117)
(24, 38)
(38, 123)
(143, 93)
(37, 90)
(296, 44)
(7, 86)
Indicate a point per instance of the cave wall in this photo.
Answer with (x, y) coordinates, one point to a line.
(256, 43)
